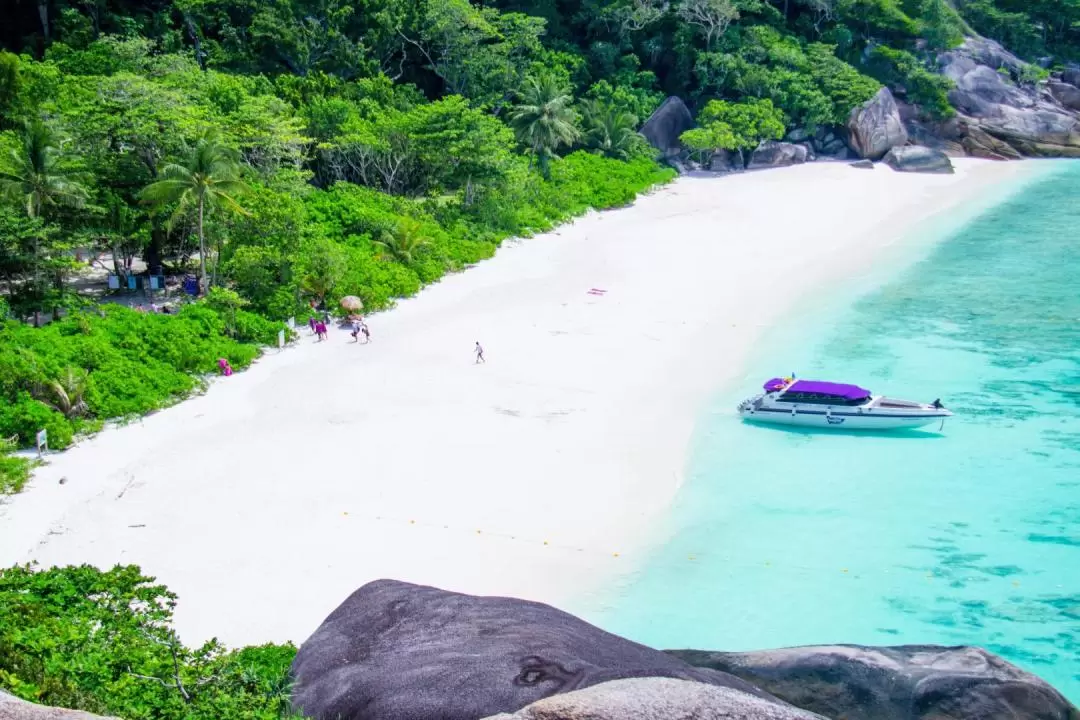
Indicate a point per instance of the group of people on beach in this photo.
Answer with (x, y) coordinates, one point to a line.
(361, 333)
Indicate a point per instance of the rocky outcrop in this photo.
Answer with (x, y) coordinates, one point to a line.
(912, 682)
(981, 144)
(1065, 93)
(779, 154)
(875, 127)
(827, 143)
(993, 95)
(914, 158)
(396, 651)
(13, 708)
(656, 699)
(666, 124)
(725, 161)
(1071, 75)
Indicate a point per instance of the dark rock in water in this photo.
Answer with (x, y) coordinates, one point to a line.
(657, 699)
(912, 682)
(1030, 120)
(778, 154)
(13, 708)
(1066, 94)
(664, 126)
(397, 651)
(915, 158)
(1071, 75)
(863, 164)
(725, 161)
(875, 127)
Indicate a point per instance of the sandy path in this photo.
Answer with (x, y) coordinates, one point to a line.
(266, 501)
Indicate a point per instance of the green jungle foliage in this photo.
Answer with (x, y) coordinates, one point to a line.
(103, 642)
(14, 471)
(71, 374)
(735, 126)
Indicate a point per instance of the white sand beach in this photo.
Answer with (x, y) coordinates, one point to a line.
(543, 473)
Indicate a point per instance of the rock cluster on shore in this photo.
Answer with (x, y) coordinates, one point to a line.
(396, 651)
(1004, 112)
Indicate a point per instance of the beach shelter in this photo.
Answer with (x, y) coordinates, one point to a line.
(351, 302)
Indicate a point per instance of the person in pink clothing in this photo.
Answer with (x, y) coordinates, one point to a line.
(320, 330)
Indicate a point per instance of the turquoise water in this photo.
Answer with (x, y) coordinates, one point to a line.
(970, 536)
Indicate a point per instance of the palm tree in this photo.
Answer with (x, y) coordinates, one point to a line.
(609, 130)
(40, 176)
(404, 241)
(209, 179)
(544, 118)
(67, 393)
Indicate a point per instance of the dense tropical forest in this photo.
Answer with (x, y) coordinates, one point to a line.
(285, 152)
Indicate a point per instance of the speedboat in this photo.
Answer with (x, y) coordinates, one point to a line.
(810, 403)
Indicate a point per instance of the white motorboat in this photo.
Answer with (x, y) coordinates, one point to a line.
(810, 403)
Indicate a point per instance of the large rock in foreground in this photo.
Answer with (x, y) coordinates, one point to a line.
(666, 124)
(397, 651)
(912, 682)
(656, 698)
(13, 708)
(875, 127)
(912, 158)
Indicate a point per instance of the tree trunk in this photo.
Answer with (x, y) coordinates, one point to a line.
(153, 250)
(43, 14)
(40, 296)
(202, 252)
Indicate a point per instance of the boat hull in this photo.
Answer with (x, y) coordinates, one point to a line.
(844, 420)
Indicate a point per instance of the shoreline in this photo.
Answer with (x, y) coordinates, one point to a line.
(537, 474)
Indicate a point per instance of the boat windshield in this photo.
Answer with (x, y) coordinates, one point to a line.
(810, 398)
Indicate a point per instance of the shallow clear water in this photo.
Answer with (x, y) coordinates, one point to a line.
(971, 536)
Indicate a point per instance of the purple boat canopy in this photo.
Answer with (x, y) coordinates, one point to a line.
(848, 392)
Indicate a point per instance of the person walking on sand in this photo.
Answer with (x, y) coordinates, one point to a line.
(365, 331)
(357, 325)
(311, 324)
(479, 353)
(320, 330)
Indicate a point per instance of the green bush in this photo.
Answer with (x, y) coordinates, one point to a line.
(14, 471)
(134, 362)
(23, 417)
(925, 88)
(102, 641)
